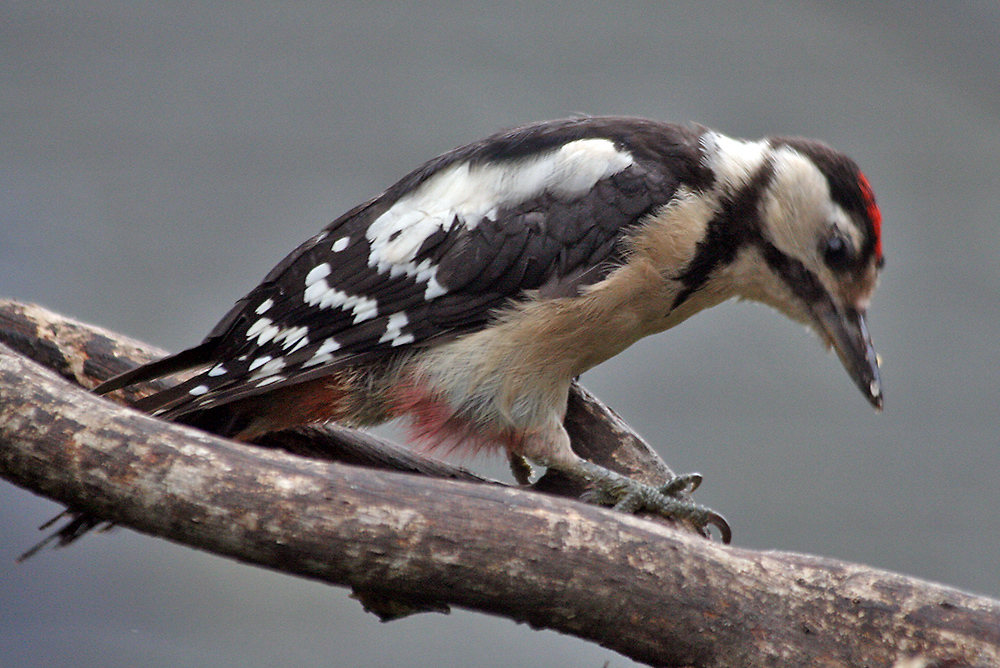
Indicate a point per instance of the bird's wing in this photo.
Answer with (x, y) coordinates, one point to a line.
(537, 213)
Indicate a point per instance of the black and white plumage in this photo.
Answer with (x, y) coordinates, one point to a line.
(470, 293)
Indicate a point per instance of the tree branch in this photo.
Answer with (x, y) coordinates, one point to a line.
(653, 593)
(87, 355)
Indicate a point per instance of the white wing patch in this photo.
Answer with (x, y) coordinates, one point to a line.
(579, 165)
(468, 193)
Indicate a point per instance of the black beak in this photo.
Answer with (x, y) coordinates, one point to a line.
(846, 331)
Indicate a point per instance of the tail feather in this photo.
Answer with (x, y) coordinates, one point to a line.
(182, 361)
(170, 403)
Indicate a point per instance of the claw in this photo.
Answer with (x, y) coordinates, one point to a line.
(686, 482)
(719, 522)
(630, 496)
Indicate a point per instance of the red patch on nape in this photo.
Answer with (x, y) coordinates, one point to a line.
(435, 426)
(872, 210)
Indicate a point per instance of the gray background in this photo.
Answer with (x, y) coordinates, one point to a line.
(156, 159)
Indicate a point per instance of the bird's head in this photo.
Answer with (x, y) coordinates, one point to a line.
(817, 250)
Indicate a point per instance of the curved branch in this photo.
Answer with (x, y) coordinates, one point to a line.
(653, 593)
(87, 355)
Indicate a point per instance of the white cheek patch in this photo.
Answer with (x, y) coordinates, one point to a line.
(468, 193)
(800, 209)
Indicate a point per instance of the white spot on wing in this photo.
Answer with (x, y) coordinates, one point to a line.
(267, 334)
(393, 330)
(322, 295)
(362, 307)
(319, 272)
(292, 336)
(264, 305)
(263, 330)
(269, 380)
(468, 193)
(340, 244)
(198, 390)
(323, 353)
(217, 370)
(434, 289)
(258, 327)
(302, 342)
(259, 362)
(268, 368)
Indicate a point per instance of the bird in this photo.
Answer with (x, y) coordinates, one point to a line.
(470, 294)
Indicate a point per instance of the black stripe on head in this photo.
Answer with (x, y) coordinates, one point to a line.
(848, 188)
(803, 283)
(738, 225)
(735, 226)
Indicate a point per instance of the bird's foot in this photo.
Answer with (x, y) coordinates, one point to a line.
(631, 496)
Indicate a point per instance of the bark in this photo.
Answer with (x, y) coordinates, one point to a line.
(435, 537)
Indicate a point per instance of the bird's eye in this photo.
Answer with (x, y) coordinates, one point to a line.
(836, 252)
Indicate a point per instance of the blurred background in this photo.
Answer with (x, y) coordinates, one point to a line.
(157, 159)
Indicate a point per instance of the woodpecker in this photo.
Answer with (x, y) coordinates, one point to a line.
(470, 294)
